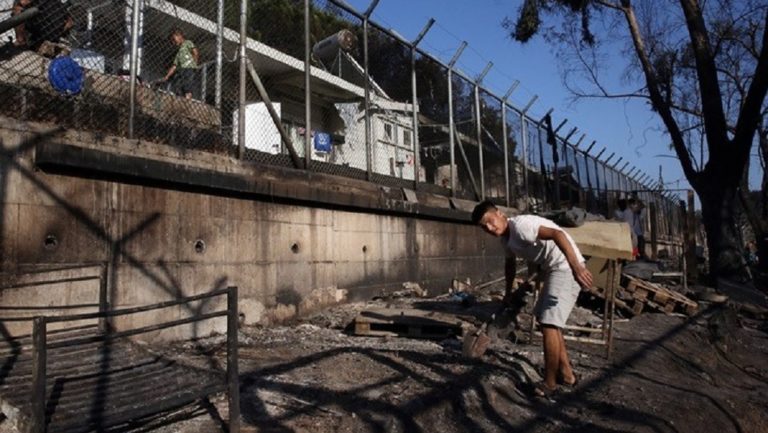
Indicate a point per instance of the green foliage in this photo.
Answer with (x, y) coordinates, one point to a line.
(528, 21)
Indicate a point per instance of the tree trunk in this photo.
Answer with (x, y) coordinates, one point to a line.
(717, 208)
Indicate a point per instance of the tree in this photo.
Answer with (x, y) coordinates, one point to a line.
(702, 67)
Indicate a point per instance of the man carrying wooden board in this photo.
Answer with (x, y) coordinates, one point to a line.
(542, 242)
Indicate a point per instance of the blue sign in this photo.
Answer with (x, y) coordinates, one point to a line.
(323, 142)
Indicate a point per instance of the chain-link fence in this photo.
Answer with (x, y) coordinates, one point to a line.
(372, 106)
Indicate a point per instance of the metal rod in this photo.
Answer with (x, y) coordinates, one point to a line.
(467, 165)
(367, 92)
(204, 81)
(219, 52)
(617, 162)
(544, 117)
(597, 157)
(578, 142)
(273, 114)
(308, 89)
(530, 103)
(242, 79)
(479, 133)
(415, 106)
(451, 125)
(570, 134)
(136, 331)
(134, 310)
(524, 140)
(415, 123)
(451, 136)
(134, 66)
(609, 158)
(233, 381)
(621, 170)
(511, 89)
(103, 298)
(560, 125)
(422, 33)
(457, 54)
(37, 395)
(482, 75)
(369, 11)
(591, 145)
(505, 143)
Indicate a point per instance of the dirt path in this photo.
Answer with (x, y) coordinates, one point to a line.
(668, 374)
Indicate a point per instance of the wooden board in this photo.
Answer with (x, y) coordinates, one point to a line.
(407, 323)
(606, 239)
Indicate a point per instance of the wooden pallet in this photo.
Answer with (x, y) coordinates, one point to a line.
(646, 294)
(391, 322)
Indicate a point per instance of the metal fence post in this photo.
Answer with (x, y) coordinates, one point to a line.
(135, 16)
(103, 297)
(367, 92)
(524, 131)
(451, 124)
(415, 108)
(39, 360)
(505, 143)
(219, 52)
(415, 121)
(524, 143)
(479, 128)
(308, 89)
(233, 382)
(242, 80)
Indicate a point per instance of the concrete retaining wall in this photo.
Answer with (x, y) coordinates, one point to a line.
(167, 241)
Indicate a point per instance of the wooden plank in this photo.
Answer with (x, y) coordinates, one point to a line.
(607, 239)
(407, 323)
(640, 294)
(406, 316)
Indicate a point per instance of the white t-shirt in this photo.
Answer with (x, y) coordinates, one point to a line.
(523, 240)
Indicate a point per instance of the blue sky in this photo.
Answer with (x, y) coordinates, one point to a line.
(628, 128)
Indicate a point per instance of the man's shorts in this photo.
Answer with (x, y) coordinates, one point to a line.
(558, 297)
(185, 81)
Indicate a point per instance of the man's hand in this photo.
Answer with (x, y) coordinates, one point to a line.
(582, 276)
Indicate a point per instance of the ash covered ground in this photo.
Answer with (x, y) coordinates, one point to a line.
(705, 373)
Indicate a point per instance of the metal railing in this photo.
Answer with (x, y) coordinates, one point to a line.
(40, 348)
(28, 280)
(360, 99)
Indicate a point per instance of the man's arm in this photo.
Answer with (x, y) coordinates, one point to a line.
(510, 271)
(171, 71)
(581, 273)
(196, 56)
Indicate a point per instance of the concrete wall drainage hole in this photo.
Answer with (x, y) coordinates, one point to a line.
(295, 248)
(365, 248)
(199, 246)
(50, 242)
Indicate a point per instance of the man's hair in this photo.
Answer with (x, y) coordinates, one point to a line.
(174, 32)
(481, 209)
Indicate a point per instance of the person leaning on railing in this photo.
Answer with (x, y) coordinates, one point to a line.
(184, 64)
(20, 31)
(51, 23)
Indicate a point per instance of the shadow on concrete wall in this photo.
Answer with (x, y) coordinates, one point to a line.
(9, 162)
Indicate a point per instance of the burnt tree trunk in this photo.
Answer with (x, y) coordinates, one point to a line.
(718, 214)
